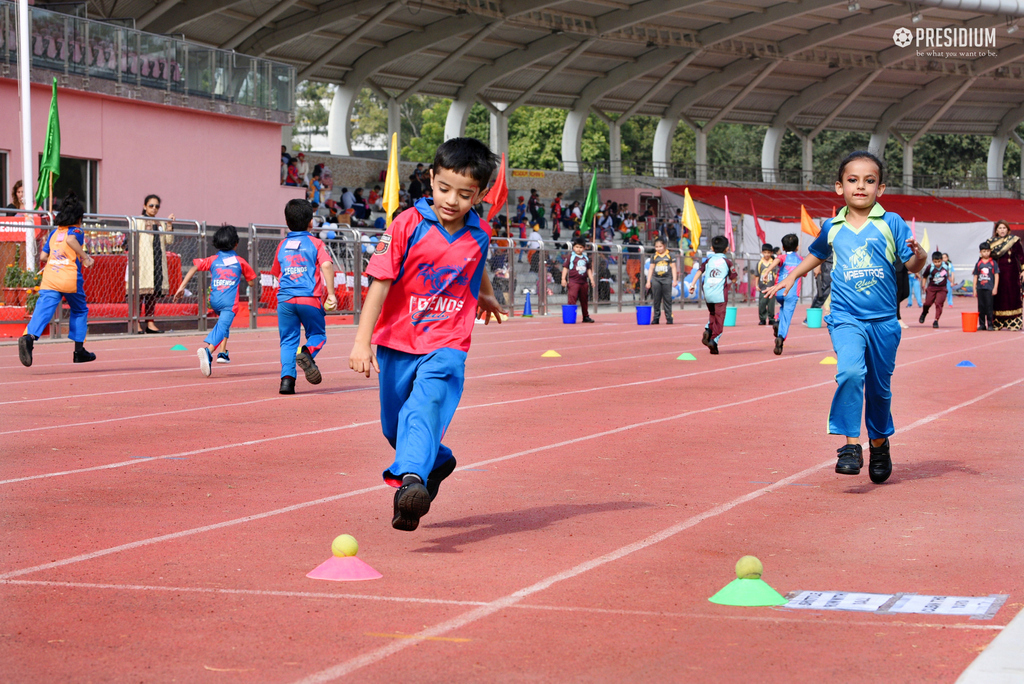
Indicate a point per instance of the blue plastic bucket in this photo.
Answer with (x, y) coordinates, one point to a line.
(568, 314)
(730, 316)
(814, 318)
(643, 315)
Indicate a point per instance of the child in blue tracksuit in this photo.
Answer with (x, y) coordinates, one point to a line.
(717, 271)
(62, 260)
(866, 241)
(305, 275)
(784, 264)
(228, 270)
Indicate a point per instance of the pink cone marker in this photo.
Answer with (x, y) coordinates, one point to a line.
(344, 569)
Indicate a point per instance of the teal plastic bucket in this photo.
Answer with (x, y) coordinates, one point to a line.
(730, 316)
(569, 314)
(814, 318)
(643, 315)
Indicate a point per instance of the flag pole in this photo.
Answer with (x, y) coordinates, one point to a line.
(25, 92)
(51, 190)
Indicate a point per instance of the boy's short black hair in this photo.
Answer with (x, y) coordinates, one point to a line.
(226, 238)
(767, 248)
(719, 244)
(581, 241)
(70, 212)
(467, 157)
(297, 214)
(985, 245)
(791, 242)
(862, 154)
(936, 256)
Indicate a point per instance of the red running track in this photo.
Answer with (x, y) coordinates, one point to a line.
(158, 525)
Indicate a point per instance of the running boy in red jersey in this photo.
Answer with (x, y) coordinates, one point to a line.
(935, 276)
(228, 271)
(577, 274)
(62, 260)
(429, 284)
(305, 281)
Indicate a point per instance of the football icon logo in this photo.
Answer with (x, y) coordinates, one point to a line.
(903, 37)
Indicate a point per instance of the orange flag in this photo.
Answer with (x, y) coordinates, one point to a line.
(498, 194)
(807, 225)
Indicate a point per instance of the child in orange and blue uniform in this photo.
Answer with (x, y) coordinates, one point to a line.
(305, 274)
(228, 271)
(429, 285)
(866, 242)
(62, 260)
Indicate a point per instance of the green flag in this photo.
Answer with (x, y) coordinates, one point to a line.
(589, 206)
(51, 152)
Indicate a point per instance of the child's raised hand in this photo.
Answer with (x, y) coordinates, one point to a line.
(773, 290)
(177, 295)
(487, 306)
(916, 248)
(363, 360)
(88, 261)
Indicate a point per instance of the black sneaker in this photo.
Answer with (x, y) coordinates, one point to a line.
(935, 324)
(851, 459)
(655, 322)
(713, 348)
(779, 341)
(879, 463)
(83, 356)
(775, 328)
(705, 339)
(763, 323)
(588, 319)
(437, 475)
(412, 502)
(924, 314)
(287, 385)
(25, 344)
(304, 360)
(669, 321)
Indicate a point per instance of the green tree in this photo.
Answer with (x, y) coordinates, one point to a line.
(478, 125)
(421, 148)
(312, 111)
(535, 137)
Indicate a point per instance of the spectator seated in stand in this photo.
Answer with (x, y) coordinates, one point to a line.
(359, 205)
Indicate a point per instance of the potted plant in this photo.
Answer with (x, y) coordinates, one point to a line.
(19, 281)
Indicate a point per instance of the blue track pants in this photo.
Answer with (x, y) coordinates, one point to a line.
(866, 355)
(418, 397)
(787, 305)
(289, 318)
(47, 304)
(222, 330)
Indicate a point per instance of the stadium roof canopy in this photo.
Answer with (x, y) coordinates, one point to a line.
(801, 65)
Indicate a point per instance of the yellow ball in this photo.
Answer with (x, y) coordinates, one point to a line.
(328, 306)
(748, 567)
(344, 545)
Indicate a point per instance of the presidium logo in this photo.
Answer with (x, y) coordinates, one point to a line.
(903, 37)
(956, 38)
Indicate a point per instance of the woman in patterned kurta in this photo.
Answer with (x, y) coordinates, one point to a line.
(1008, 252)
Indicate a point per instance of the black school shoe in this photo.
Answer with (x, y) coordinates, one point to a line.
(287, 385)
(880, 462)
(705, 339)
(588, 319)
(779, 341)
(655, 322)
(851, 459)
(713, 348)
(412, 502)
(25, 344)
(83, 356)
(437, 475)
(924, 314)
(935, 324)
(304, 360)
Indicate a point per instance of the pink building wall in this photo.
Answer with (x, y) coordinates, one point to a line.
(207, 167)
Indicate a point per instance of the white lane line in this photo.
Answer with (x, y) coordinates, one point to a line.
(442, 628)
(319, 595)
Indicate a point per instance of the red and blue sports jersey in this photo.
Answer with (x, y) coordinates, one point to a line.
(227, 270)
(63, 270)
(789, 264)
(435, 281)
(297, 269)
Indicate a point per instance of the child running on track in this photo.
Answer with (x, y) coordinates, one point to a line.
(715, 269)
(61, 259)
(228, 270)
(577, 274)
(305, 274)
(866, 241)
(785, 263)
(429, 284)
(936, 278)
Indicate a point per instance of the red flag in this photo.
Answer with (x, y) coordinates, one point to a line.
(757, 224)
(498, 194)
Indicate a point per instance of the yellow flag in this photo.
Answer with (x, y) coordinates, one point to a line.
(925, 244)
(691, 220)
(391, 181)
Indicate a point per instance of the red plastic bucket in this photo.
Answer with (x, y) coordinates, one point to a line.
(969, 321)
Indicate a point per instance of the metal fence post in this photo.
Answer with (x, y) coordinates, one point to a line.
(133, 276)
(203, 282)
(256, 290)
(357, 277)
(618, 282)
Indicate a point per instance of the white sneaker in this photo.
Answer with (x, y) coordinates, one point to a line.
(205, 361)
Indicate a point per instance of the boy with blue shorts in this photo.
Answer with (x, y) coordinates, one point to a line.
(228, 270)
(62, 259)
(429, 285)
(866, 241)
(305, 284)
(784, 264)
